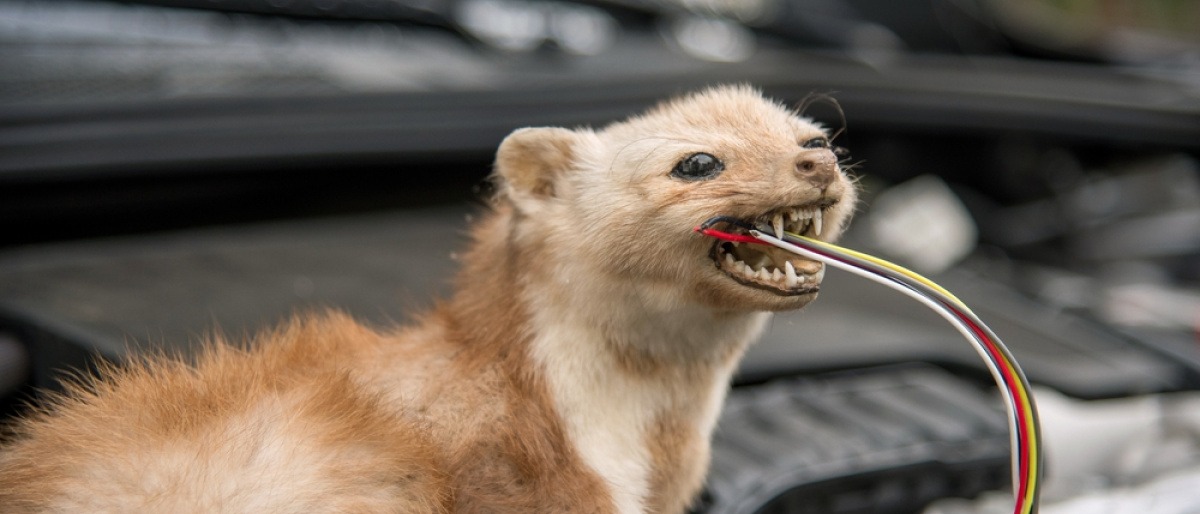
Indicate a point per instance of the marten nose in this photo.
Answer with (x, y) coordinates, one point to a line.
(818, 167)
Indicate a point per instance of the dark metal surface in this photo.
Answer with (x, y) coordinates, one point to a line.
(71, 300)
(878, 441)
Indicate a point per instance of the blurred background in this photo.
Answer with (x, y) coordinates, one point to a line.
(172, 168)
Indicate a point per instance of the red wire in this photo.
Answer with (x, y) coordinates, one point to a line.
(739, 238)
(1010, 378)
(1010, 381)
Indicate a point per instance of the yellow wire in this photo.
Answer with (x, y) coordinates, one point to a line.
(1032, 450)
(1023, 394)
(889, 265)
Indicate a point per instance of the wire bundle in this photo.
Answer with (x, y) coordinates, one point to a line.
(1022, 413)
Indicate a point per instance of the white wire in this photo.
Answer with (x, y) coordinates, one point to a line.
(941, 309)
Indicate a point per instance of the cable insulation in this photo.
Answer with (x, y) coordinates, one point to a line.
(1025, 432)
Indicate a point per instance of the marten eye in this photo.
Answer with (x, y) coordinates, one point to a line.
(698, 166)
(816, 142)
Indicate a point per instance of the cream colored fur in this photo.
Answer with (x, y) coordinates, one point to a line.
(579, 367)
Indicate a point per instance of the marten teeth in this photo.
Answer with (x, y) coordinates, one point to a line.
(797, 220)
(785, 278)
(763, 268)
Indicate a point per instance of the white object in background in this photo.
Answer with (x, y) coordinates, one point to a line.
(1175, 493)
(1137, 455)
(1152, 305)
(712, 39)
(922, 223)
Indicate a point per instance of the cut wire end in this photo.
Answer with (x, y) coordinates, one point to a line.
(737, 238)
(706, 229)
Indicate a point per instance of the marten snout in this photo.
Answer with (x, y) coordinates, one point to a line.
(818, 167)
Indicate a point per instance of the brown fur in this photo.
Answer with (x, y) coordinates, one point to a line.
(96, 445)
(680, 458)
(579, 366)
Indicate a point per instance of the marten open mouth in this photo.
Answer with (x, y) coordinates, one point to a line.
(770, 268)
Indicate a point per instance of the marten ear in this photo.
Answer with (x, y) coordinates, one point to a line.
(532, 159)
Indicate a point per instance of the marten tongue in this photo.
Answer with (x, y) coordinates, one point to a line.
(758, 256)
(802, 265)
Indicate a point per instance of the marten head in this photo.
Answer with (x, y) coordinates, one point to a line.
(618, 205)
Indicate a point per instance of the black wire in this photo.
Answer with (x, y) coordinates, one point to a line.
(1011, 365)
(726, 219)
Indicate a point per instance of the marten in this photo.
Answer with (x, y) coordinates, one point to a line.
(579, 365)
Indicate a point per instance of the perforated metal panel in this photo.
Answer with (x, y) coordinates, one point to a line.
(887, 440)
